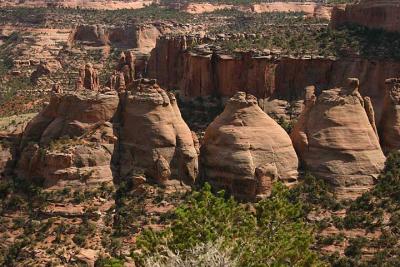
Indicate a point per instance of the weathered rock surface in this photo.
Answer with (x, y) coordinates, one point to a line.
(382, 14)
(390, 123)
(271, 77)
(154, 137)
(88, 78)
(335, 140)
(71, 141)
(70, 115)
(244, 150)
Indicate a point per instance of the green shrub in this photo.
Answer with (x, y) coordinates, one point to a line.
(273, 234)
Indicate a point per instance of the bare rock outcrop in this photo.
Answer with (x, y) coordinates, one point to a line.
(335, 140)
(88, 78)
(381, 14)
(44, 68)
(71, 141)
(95, 34)
(155, 138)
(390, 123)
(244, 150)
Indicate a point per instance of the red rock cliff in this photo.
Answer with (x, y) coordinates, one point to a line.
(382, 14)
(210, 73)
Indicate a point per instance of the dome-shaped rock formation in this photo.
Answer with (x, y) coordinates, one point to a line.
(390, 122)
(244, 150)
(336, 140)
(71, 141)
(155, 138)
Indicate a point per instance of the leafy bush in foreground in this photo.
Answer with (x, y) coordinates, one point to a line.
(272, 233)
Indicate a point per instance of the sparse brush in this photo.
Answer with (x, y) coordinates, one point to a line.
(211, 254)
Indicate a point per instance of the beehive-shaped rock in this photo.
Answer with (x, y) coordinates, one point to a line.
(244, 150)
(336, 140)
(154, 136)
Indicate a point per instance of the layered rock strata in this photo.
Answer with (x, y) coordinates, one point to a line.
(244, 150)
(154, 137)
(335, 140)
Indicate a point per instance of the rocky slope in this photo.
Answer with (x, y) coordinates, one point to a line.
(244, 150)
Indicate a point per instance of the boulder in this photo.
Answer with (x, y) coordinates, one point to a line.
(336, 141)
(244, 150)
(390, 123)
(155, 138)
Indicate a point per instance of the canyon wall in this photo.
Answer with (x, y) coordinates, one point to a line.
(382, 14)
(133, 36)
(311, 9)
(206, 73)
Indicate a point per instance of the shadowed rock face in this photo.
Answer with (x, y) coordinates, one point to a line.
(390, 123)
(154, 137)
(335, 140)
(244, 150)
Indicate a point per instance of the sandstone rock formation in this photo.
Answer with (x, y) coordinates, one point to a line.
(382, 14)
(311, 9)
(335, 140)
(154, 137)
(71, 141)
(244, 150)
(390, 123)
(88, 78)
(44, 68)
(270, 77)
(94, 34)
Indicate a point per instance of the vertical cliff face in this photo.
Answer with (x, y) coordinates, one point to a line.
(209, 73)
(390, 123)
(380, 14)
(197, 76)
(244, 150)
(166, 61)
(336, 141)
